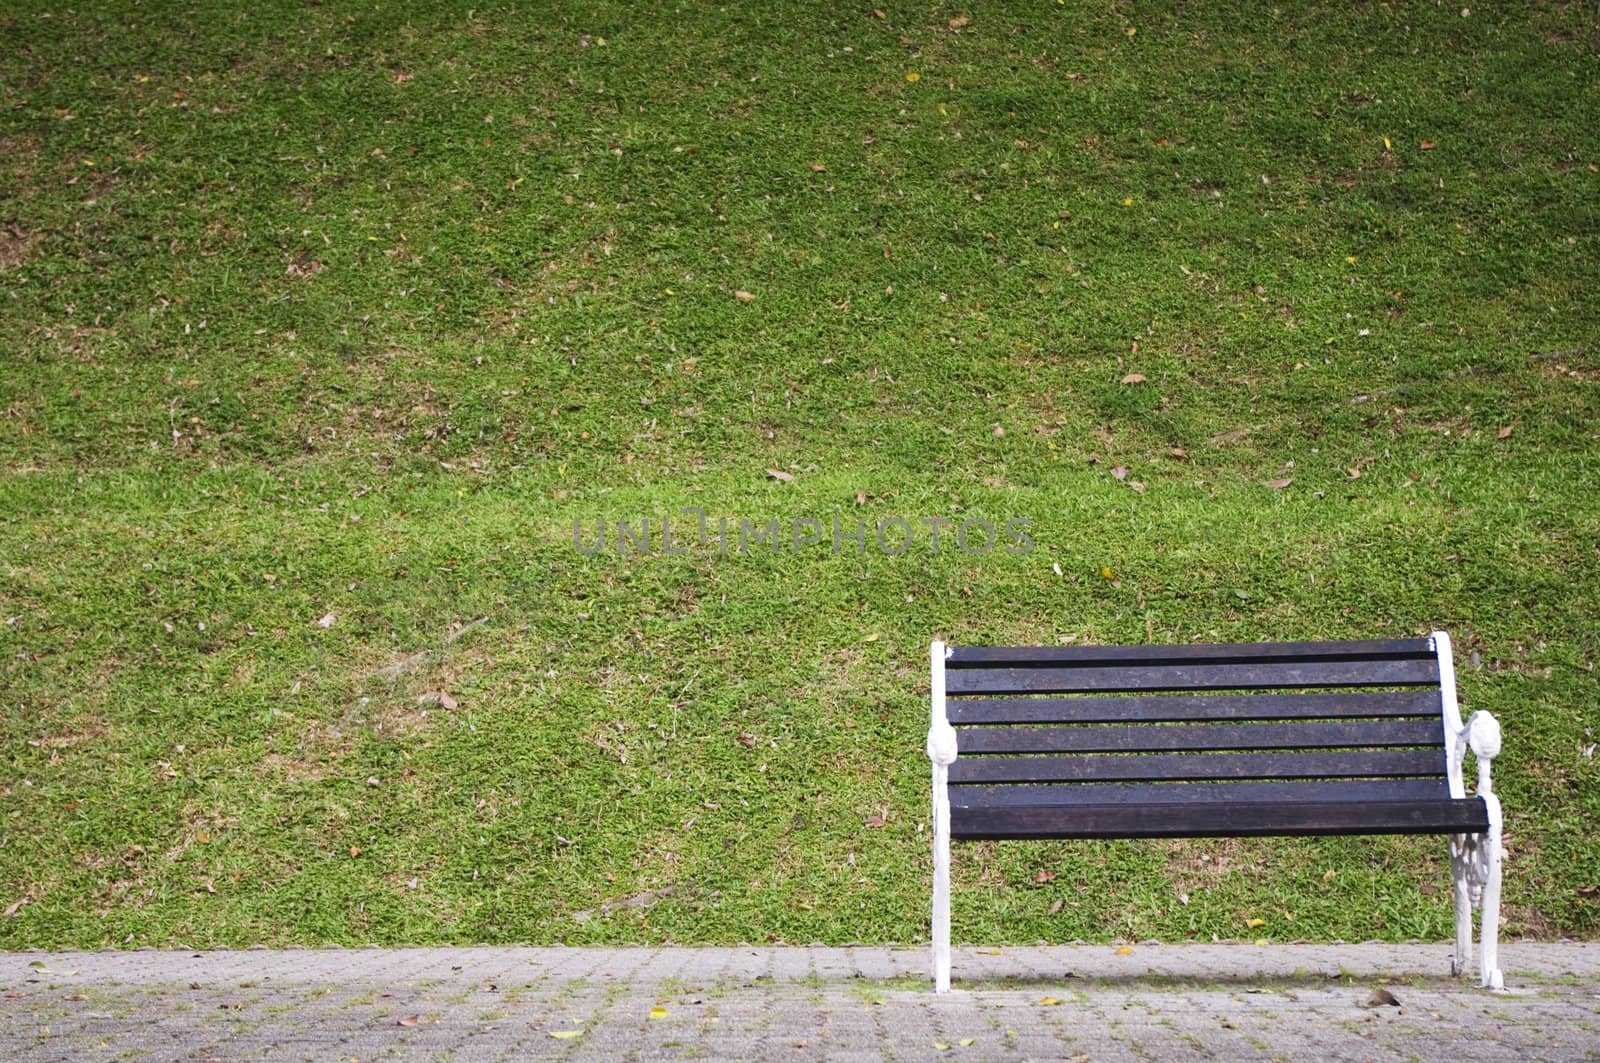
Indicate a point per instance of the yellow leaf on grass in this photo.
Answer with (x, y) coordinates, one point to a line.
(1124, 951)
(1252, 924)
(659, 1013)
(1263, 942)
(913, 76)
(1127, 201)
(1131, 30)
(1106, 573)
(1386, 145)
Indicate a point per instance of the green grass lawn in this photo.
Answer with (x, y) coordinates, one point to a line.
(322, 323)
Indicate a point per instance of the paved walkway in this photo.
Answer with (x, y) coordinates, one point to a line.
(1143, 1002)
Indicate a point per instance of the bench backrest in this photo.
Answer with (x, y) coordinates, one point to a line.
(1302, 721)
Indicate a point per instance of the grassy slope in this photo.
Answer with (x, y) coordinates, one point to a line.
(355, 309)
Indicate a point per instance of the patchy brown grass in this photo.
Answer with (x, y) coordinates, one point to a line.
(16, 244)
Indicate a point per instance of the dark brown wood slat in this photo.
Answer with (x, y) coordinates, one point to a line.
(1157, 767)
(1236, 652)
(1071, 795)
(1223, 820)
(1370, 734)
(1168, 677)
(1162, 708)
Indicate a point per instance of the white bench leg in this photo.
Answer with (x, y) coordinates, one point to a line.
(1489, 934)
(941, 880)
(942, 752)
(1476, 863)
(1463, 891)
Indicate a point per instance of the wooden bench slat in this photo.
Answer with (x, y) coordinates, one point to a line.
(1154, 767)
(1108, 679)
(1223, 819)
(1162, 708)
(1073, 795)
(1193, 737)
(1131, 656)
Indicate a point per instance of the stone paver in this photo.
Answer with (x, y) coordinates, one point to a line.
(1146, 1002)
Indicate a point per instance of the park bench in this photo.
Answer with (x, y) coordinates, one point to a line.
(1244, 740)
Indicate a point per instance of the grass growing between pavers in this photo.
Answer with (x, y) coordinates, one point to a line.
(323, 324)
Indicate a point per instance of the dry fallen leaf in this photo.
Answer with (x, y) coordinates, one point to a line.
(959, 21)
(1133, 378)
(1428, 145)
(1505, 432)
(1382, 998)
(1179, 453)
(873, 821)
(565, 1035)
(743, 296)
(1353, 473)
(409, 1020)
(326, 620)
(861, 498)
(1044, 876)
(1280, 484)
(1120, 472)
(446, 701)
(747, 739)
(1049, 1002)
(818, 167)
(1056, 906)
(779, 474)
(1137, 486)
